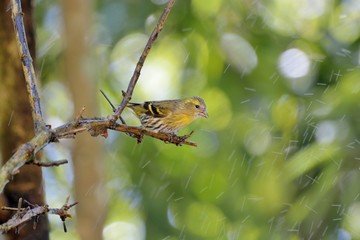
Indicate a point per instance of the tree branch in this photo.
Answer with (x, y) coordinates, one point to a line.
(23, 154)
(128, 94)
(48, 163)
(95, 126)
(99, 126)
(28, 67)
(33, 212)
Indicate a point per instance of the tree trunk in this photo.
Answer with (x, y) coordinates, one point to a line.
(16, 121)
(87, 153)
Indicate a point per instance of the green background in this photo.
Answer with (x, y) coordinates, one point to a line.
(279, 156)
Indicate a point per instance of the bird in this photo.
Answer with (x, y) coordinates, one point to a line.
(169, 116)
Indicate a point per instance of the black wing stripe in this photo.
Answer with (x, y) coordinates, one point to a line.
(146, 106)
(152, 110)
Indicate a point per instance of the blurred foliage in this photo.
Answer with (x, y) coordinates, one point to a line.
(279, 156)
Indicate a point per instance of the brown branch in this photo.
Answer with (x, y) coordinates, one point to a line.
(99, 126)
(128, 94)
(32, 212)
(95, 126)
(28, 67)
(23, 154)
(138, 132)
(48, 163)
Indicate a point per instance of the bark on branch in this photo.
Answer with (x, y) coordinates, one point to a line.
(32, 213)
(95, 126)
(28, 67)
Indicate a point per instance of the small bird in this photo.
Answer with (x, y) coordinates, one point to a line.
(169, 116)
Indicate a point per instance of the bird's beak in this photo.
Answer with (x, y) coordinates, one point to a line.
(204, 114)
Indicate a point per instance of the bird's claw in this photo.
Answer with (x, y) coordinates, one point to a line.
(177, 140)
(183, 138)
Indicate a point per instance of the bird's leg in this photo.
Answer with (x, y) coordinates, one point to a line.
(178, 140)
(183, 138)
(170, 137)
(139, 137)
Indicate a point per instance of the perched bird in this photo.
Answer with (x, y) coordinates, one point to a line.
(169, 116)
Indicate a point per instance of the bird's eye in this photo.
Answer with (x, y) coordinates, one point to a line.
(197, 106)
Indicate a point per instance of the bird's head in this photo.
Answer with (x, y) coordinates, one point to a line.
(197, 106)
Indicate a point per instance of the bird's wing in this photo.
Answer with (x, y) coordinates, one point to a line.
(155, 109)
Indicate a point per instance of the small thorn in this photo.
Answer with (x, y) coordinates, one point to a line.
(108, 100)
(64, 226)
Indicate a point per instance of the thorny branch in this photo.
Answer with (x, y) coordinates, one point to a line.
(28, 67)
(99, 126)
(45, 135)
(33, 212)
(95, 126)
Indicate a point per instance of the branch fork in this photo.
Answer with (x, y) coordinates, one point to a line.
(33, 212)
(95, 126)
(45, 135)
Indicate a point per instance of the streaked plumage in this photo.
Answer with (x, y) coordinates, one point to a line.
(169, 116)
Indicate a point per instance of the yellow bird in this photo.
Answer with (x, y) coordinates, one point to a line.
(169, 116)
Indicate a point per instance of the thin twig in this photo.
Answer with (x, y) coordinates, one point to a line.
(108, 100)
(112, 106)
(32, 212)
(48, 163)
(80, 113)
(128, 94)
(28, 67)
(23, 154)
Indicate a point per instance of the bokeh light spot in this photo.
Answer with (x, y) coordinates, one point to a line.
(294, 63)
(239, 52)
(312, 9)
(326, 132)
